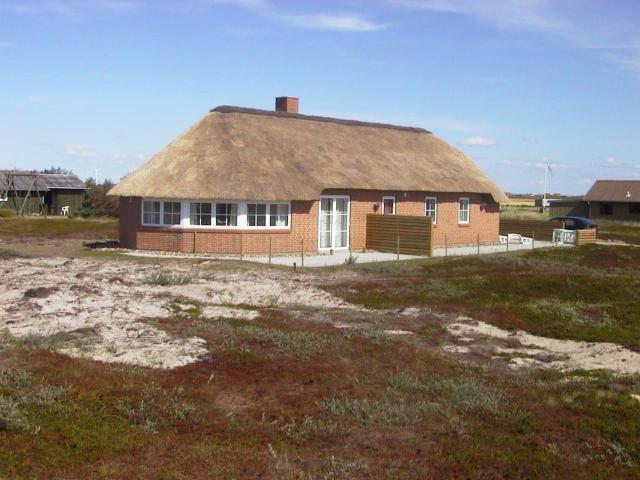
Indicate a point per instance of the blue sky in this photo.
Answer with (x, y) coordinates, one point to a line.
(99, 84)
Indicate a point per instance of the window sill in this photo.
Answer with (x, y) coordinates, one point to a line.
(464, 225)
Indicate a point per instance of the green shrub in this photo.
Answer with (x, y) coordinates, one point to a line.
(165, 279)
(11, 420)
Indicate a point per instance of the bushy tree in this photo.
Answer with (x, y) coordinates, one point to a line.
(96, 202)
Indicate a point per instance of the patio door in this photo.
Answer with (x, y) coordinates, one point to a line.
(333, 228)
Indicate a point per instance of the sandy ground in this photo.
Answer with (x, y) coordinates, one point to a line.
(521, 349)
(97, 309)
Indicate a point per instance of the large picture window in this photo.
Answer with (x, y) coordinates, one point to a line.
(200, 214)
(431, 208)
(151, 212)
(634, 208)
(279, 215)
(226, 214)
(463, 211)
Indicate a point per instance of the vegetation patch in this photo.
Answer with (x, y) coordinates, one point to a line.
(586, 293)
(165, 278)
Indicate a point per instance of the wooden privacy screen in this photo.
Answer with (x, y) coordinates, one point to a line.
(586, 237)
(543, 230)
(409, 235)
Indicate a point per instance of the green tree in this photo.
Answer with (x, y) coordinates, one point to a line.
(96, 202)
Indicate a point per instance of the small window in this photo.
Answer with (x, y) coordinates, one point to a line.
(200, 214)
(634, 208)
(171, 213)
(463, 212)
(226, 214)
(151, 212)
(279, 215)
(431, 208)
(606, 209)
(389, 205)
(257, 214)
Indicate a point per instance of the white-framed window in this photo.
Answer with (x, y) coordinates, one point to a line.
(171, 213)
(463, 210)
(279, 215)
(158, 213)
(226, 214)
(256, 214)
(151, 212)
(215, 214)
(388, 205)
(431, 208)
(200, 213)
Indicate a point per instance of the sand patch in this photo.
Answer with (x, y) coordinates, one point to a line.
(113, 300)
(546, 352)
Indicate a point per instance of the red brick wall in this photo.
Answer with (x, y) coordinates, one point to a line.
(484, 219)
(484, 224)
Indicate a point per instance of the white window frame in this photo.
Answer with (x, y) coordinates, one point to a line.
(242, 223)
(460, 210)
(212, 213)
(269, 205)
(214, 220)
(343, 197)
(162, 202)
(434, 217)
(389, 197)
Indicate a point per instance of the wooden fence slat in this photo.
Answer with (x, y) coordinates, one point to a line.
(543, 230)
(383, 232)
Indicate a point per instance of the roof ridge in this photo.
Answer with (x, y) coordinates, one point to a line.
(618, 180)
(313, 118)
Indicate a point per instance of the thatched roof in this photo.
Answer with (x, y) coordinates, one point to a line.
(242, 154)
(614, 191)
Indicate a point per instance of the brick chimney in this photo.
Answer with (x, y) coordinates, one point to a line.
(287, 104)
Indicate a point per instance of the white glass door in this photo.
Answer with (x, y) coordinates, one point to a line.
(333, 228)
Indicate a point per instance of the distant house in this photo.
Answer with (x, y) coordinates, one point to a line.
(257, 180)
(614, 199)
(44, 192)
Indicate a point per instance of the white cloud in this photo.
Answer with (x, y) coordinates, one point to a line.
(616, 35)
(322, 21)
(75, 150)
(70, 9)
(610, 162)
(343, 22)
(479, 142)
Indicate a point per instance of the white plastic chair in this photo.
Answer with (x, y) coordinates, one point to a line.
(64, 210)
(514, 238)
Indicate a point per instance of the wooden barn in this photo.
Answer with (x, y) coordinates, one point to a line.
(40, 193)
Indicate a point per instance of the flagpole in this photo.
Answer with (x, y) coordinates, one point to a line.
(546, 169)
